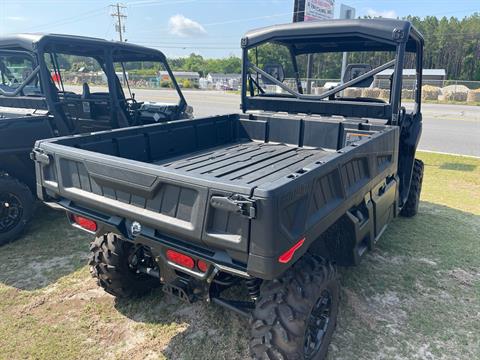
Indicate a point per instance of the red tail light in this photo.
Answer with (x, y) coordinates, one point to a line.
(288, 255)
(202, 266)
(180, 259)
(84, 223)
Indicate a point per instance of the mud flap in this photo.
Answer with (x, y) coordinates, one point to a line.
(383, 197)
(352, 235)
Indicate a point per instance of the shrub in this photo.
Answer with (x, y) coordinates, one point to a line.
(166, 84)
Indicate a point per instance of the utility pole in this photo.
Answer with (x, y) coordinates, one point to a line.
(346, 12)
(120, 16)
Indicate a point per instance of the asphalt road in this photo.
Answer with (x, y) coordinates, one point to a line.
(446, 128)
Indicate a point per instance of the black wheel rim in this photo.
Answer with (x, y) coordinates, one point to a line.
(317, 325)
(11, 211)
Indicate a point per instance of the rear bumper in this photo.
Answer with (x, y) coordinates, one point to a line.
(266, 268)
(158, 243)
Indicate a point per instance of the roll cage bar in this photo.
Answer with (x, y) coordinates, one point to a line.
(329, 92)
(336, 36)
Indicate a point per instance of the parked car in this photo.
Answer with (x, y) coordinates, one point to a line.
(273, 198)
(43, 95)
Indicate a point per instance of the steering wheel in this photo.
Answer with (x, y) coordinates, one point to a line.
(132, 104)
(132, 100)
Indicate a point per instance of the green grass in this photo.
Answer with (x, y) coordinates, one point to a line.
(416, 296)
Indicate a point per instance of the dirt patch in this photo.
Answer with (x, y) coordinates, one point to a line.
(88, 295)
(384, 308)
(401, 260)
(39, 272)
(465, 278)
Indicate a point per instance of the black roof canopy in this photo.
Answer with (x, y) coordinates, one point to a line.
(79, 45)
(338, 35)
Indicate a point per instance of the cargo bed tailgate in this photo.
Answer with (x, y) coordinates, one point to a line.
(164, 201)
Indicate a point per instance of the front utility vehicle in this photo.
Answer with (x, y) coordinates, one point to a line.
(306, 178)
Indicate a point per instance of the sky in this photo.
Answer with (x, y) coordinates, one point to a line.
(212, 28)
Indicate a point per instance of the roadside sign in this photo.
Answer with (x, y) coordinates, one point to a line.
(312, 10)
(319, 10)
(347, 12)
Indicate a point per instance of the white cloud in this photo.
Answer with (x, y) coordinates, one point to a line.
(182, 26)
(384, 14)
(16, 18)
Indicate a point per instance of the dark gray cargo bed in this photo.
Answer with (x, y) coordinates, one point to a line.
(249, 163)
(292, 177)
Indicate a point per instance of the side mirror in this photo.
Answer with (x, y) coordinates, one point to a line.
(353, 71)
(274, 70)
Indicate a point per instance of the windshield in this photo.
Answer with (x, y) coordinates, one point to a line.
(355, 76)
(16, 69)
(141, 79)
(86, 76)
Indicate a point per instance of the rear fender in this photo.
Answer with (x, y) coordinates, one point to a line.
(20, 167)
(411, 130)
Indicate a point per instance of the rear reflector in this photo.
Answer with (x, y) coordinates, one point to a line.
(202, 266)
(180, 259)
(288, 255)
(84, 223)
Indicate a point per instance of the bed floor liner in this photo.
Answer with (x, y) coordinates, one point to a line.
(248, 163)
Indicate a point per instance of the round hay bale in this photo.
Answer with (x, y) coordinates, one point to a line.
(385, 94)
(407, 94)
(353, 92)
(319, 90)
(454, 93)
(455, 96)
(371, 93)
(430, 92)
(454, 89)
(473, 96)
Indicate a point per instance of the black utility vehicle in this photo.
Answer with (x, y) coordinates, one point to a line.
(46, 91)
(270, 199)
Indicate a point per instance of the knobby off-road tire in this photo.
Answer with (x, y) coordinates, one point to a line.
(110, 265)
(303, 302)
(16, 208)
(411, 206)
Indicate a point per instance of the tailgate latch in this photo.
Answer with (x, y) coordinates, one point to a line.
(235, 203)
(39, 156)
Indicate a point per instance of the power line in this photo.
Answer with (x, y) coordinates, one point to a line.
(68, 20)
(118, 13)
